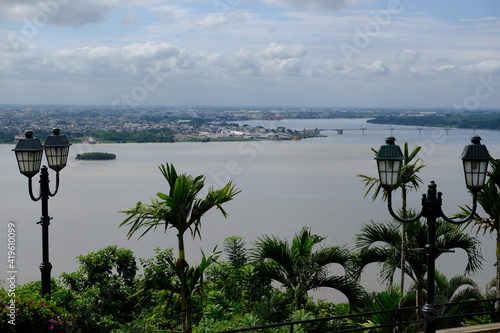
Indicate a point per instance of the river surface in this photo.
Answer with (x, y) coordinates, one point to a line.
(285, 185)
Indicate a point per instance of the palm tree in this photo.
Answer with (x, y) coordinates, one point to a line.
(489, 199)
(235, 283)
(381, 243)
(381, 302)
(181, 210)
(459, 288)
(300, 268)
(408, 180)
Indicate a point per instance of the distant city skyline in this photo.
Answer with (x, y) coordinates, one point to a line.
(345, 53)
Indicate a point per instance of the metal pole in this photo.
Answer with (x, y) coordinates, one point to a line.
(430, 309)
(432, 210)
(45, 266)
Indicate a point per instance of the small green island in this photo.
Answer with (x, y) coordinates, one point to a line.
(95, 156)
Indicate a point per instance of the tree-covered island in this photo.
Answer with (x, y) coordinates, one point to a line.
(95, 156)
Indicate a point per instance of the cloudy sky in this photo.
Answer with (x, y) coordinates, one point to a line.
(337, 53)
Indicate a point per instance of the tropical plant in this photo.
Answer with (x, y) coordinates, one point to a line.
(459, 288)
(236, 284)
(489, 199)
(381, 243)
(300, 268)
(101, 292)
(381, 302)
(408, 180)
(24, 310)
(103, 267)
(234, 247)
(182, 210)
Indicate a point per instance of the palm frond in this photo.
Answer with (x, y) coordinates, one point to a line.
(214, 198)
(331, 254)
(372, 184)
(351, 289)
(450, 237)
(373, 232)
(144, 216)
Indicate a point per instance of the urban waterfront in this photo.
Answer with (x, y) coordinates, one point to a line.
(285, 185)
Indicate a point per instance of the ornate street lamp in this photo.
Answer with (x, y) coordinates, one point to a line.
(29, 153)
(475, 159)
(389, 162)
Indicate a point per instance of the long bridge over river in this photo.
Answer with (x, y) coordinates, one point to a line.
(391, 128)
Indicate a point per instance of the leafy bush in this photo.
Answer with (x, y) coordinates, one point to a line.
(27, 311)
(102, 291)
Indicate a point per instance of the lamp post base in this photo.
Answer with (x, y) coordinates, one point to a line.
(431, 312)
(45, 269)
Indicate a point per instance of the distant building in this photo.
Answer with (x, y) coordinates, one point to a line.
(307, 132)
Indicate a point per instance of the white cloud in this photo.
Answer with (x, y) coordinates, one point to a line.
(72, 13)
(446, 68)
(376, 68)
(212, 20)
(149, 51)
(241, 62)
(56, 12)
(485, 67)
(408, 56)
(279, 51)
(274, 62)
(316, 4)
(482, 19)
(133, 59)
(251, 45)
(170, 13)
(280, 68)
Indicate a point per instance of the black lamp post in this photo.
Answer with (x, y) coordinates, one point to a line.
(475, 159)
(29, 153)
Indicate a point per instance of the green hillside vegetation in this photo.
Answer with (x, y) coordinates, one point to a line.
(96, 156)
(158, 135)
(483, 121)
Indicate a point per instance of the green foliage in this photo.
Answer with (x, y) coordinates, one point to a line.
(387, 239)
(158, 273)
(459, 288)
(460, 120)
(237, 281)
(299, 267)
(161, 135)
(210, 325)
(156, 315)
(386, 300)
(381, 243)
(234, 247)
(182, 210)
(95, 156)
(102, 290)
(224, 295)
(7, 137)
(31, 313)
(299, 315)
(108, 265)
